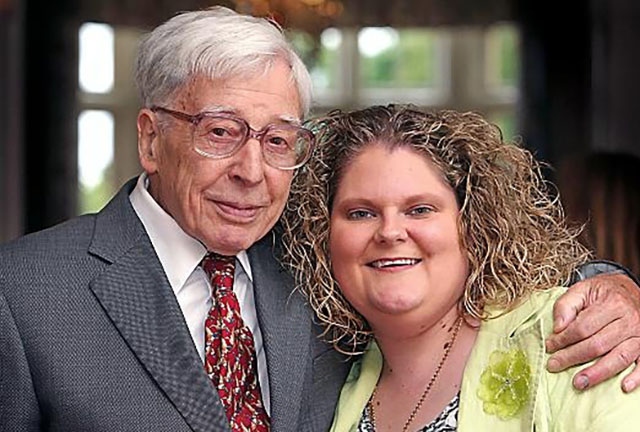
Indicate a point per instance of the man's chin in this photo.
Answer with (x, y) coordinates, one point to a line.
(232, 240)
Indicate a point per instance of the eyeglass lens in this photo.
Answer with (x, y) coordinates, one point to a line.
(283, 145)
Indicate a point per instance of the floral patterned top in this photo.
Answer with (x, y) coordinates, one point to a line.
(447, 420)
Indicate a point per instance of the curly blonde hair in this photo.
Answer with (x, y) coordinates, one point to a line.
(511, 224)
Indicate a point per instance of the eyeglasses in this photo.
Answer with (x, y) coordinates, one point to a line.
(220, 135)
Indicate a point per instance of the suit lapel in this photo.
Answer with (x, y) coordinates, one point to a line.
(285, 324)
(138, 299)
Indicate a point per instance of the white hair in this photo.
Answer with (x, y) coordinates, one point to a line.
(217, 43)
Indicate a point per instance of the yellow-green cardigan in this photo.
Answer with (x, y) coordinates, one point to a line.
(548, 402)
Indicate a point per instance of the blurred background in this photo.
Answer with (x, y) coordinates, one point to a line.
(562, 80)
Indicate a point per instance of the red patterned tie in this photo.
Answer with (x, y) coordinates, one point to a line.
(230, 359)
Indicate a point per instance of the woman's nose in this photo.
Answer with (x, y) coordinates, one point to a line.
(391, 229)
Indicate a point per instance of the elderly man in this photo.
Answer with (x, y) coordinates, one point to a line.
(168, 310)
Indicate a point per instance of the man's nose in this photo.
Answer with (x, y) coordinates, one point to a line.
(248, 164)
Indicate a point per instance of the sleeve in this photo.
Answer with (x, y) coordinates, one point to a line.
(604, 408)
(596, 267)
(18, 403)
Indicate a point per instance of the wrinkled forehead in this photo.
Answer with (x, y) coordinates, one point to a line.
(268, 97)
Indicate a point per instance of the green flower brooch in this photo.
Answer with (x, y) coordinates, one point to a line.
(504, 384)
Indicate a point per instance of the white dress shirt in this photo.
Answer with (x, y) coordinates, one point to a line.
(180, 256)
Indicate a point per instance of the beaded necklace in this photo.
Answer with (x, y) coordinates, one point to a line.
(427, 389)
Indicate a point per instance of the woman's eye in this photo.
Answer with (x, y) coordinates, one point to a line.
(359, 214)
(420, 210)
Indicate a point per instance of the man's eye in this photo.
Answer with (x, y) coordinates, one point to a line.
(278, 141)
(220, 129)
(220, 132)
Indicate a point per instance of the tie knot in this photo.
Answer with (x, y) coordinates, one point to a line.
(220, 269)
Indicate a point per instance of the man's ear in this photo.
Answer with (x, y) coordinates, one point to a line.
(148, 140)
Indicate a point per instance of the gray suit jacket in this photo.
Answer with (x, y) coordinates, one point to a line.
(93, 339)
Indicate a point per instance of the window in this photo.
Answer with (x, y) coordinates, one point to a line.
(108, 106)
(502, 66)
(96, 58)
(502, 72)
(95, 127)
(391, 58)
(95, 158)
(465, 68)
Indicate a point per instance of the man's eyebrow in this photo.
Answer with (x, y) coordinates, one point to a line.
(291, 119)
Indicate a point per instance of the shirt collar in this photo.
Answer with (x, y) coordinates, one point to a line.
(243, 259)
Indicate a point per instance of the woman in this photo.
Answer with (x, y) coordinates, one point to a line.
(429, 244)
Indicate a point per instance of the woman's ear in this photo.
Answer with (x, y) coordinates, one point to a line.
(148, 137)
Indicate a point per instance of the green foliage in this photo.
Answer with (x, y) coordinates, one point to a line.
(326, 67)
(92, 199)
(319, 59)
(410, 63)
(508, 55)
(506, 121)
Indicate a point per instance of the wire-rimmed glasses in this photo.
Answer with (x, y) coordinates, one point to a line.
(221, 135)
